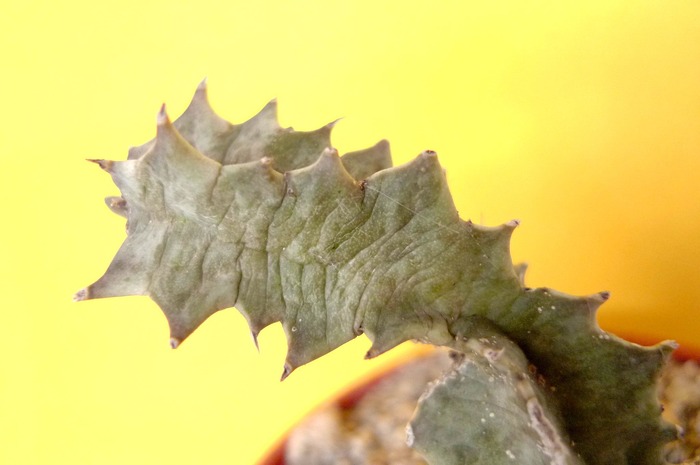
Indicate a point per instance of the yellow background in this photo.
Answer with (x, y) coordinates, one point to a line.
(582, 119)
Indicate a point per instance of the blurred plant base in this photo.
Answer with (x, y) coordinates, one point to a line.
(367, 423)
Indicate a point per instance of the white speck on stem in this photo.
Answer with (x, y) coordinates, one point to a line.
(410, 437)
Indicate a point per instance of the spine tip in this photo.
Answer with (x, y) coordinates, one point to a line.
(287, 371)
(104, 164)
(330, 152)
(162, 117)
(81, 295)
(254, 335)
(669, 346)
(332, 124)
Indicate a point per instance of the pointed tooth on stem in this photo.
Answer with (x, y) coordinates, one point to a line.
(330, 152)
(332, 124)
(596, 300)
(162, 118)
(116, 205)
(174, 342)
(512, 224)
(667, 347)
(254, 335)
(288, 369)
(267, 113)
(520, 271)
(104, 164)
(81, 295)
(374, 351)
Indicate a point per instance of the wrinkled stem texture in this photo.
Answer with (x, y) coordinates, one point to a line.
(275, 223)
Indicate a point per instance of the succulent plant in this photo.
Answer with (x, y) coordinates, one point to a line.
(275, 223)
